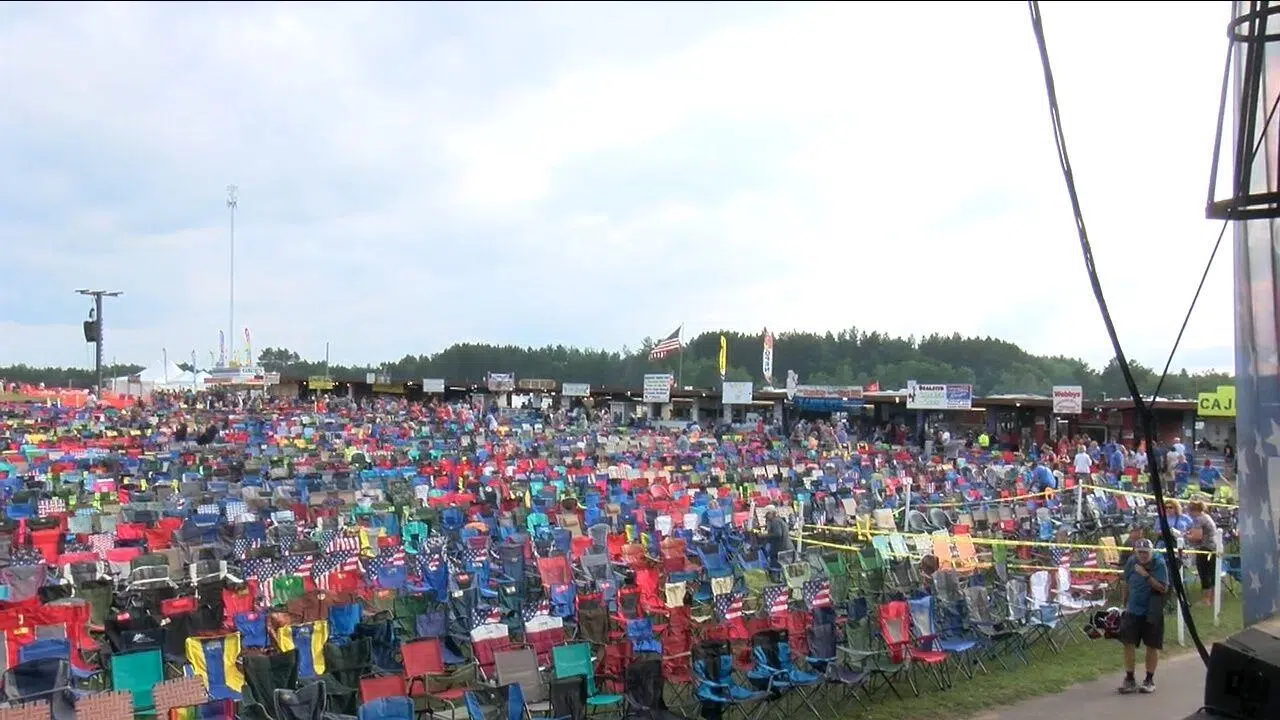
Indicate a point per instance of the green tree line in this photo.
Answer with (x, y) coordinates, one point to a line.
(849, 357)
(63, 377)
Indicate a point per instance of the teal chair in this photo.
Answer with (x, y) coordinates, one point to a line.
(574, 660)
(138, 672)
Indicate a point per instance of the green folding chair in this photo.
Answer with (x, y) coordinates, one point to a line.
(138, 672)
(574, 660)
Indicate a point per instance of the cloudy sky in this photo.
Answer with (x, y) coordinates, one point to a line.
(416, 175)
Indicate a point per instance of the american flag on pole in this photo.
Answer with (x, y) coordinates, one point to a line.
(25, 556)
(1061, 557)
(242, 546)
(533, 610)
(323, 567)
(485, 615)
(264, 570)
(729, 607)
(300, 565)
(666, 345)
(817, 593)
(777, 599)
(475, 557)
(350, 562)
(342, 542)
(388, 558)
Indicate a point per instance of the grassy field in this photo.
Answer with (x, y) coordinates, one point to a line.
(1047, 673)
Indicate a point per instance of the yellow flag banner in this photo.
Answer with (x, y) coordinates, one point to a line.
(724, 356)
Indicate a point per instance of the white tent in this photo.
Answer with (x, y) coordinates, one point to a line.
(185, 380)
(160, 376)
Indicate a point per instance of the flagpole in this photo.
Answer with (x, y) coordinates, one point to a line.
(680, 362)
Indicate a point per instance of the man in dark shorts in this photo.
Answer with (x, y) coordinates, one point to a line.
(1146, 580)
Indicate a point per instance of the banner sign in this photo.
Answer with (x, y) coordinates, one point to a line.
(371, 378)
(235, 376)
(389, 388)
(657, 388)
(573, 389)
(1220, 403)
(1068, 399)
(536, 384)
(319, 382)
(828, 392)
(500, 382)
(922, 396)
(766, 364)
(271, 378)
(433, 385)
(736, 393)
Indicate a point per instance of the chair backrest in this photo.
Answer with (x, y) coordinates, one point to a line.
(387, 708)
(978, 605)
(36, 678)
(922, 616)
(422, 656)
(138, 672)
(895, 628)
(1040, 582)
(521, 666)
(573, 660)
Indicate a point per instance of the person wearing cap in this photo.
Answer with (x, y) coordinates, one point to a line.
(777, 533)
(1146, 580)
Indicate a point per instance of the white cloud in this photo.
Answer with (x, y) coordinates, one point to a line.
(434, 173)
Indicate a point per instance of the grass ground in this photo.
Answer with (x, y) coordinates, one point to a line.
(1047, 673)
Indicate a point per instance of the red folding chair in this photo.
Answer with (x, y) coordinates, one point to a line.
(373, 687)
(424, 665)
(486, 641)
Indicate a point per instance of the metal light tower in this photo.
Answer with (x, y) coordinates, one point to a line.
(96, 336)
(232, 204)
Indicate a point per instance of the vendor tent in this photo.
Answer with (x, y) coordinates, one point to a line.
(159, 376)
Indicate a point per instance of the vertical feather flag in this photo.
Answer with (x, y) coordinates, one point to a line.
(724, 356)
(222, 348)
(767, 362)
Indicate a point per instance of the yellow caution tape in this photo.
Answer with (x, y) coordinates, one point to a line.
(1083, 569)
(1118, 491)
(987, 541)
(1046, 494)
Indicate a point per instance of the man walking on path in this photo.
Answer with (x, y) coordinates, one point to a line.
(1146, 579)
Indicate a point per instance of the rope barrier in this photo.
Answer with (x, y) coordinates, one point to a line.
(975, 566)
(1118, 491)
(984, 541)
(1046, 494)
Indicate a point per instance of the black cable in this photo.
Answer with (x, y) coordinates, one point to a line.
(1271, 114)
(1194, 299)
(1140, 406)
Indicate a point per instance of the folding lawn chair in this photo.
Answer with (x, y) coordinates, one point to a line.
(998, 635)
(574, 660)
(716, 689)
(1027, 620)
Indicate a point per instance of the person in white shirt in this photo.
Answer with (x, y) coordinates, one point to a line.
(1083, 463)
(1178, 447)
(1140, 461)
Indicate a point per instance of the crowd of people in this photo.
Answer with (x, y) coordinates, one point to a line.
(293, 500)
